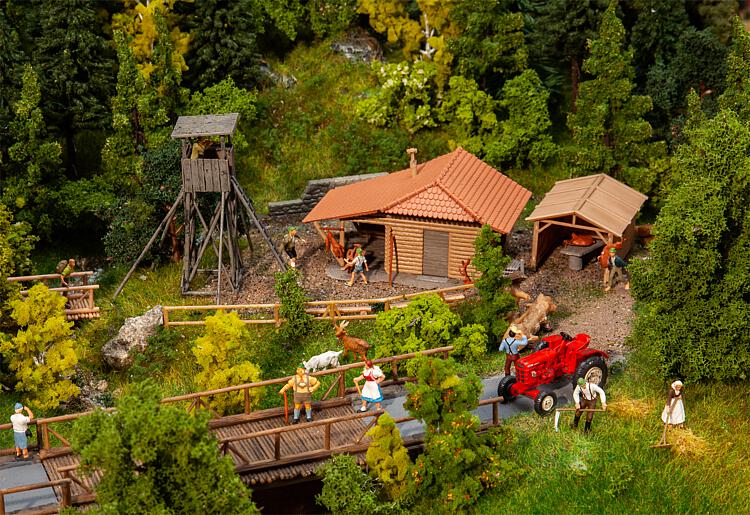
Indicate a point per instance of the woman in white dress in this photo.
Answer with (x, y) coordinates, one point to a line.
(370, 392)
(674, 411)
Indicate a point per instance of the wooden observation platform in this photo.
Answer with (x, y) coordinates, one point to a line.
(80, 305)
(209, 180)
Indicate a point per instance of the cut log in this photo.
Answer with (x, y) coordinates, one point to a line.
(536, 313)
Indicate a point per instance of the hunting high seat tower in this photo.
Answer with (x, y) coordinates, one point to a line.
(208, 173)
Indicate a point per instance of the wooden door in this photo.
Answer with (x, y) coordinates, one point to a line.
(435, 253)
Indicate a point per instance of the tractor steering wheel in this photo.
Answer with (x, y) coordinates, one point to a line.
(566, 337)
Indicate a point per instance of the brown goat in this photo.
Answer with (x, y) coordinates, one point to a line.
(356, 346)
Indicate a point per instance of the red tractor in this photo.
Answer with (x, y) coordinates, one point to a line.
(556, 357)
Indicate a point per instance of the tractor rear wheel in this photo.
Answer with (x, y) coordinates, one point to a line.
(504, 386)
(593, 370)
(545, 402)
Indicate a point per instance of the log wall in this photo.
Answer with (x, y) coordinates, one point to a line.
(410, 245)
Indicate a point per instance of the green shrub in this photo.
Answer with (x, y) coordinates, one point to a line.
(213, 352)
(292, 298)
(426, 323)
(16, 243)
(347, 490)
(387, 457)
(161, 351)
(42, 354)
(471, 343)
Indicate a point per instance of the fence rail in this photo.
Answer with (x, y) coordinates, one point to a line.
(80, 297)
(348, 309)
(65, 498)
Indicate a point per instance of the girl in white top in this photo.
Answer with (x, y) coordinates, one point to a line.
(370, 392)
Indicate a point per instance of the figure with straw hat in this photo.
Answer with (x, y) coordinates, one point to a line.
(585, 395)
(512, 345)
(303, 385)
(673, 413)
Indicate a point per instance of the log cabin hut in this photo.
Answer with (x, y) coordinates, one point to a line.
(597, 205)
(424, 220)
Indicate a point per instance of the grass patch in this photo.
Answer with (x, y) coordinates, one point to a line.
(615, 471)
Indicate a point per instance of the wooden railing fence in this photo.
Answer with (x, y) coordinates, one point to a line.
(349, 309)
(81, 302)
(62, 484)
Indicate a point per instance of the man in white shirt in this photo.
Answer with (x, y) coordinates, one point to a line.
(20, 424)
(584, 396)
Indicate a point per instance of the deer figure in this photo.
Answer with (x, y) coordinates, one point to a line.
(356, 346)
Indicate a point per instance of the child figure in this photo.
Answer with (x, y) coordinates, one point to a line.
(360, 265)
(370, 392)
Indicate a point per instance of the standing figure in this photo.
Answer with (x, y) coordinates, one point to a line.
(20, 425)
(584, 396)
(360, 265)
(370, 392)
(290, 242)
(673, 413)
(303, 385)
(65, 268)
(616, 270)
(512, 346)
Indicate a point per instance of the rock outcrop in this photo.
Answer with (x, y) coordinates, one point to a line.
(133, 335)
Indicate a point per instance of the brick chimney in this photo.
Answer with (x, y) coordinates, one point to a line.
(412, 160)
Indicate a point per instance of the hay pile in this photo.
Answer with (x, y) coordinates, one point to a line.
(630, 408)
(687, 443)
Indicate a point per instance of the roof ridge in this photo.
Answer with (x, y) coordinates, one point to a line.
(595, 184)
(427, 186)
(455, 199)
(457, 151)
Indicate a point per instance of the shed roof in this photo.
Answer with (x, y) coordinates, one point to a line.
(205, 125)
(599, 199)
(456, 187)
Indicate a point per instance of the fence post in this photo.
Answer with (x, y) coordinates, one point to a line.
(394, 369)
(65, 501)
(342, 384)
(45, 436)
(495, 417)
(327, 437)
(387, 305)
(277, 446)
(276, 317)
(247, 400)
(2, 504)
(92, 305)
(165, 317)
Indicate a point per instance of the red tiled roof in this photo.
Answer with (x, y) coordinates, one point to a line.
(457, 187)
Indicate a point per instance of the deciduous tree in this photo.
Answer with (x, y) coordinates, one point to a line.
(469, 114)
(16, 244)
(387, 457)
(157, 458)
(42, 355)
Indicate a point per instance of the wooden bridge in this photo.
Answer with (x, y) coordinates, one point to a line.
(80, 296)
(349, 309)
(264, 447)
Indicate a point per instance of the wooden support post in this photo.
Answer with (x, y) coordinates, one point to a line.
(221, 247)
(45, 436)
(2, 504)
(65, 501)
(246, 391)
(341, 235)
(342, 384)
(276, 316)
(165, 317)
(277, 446)
(534, 246)
(327, 437)
(320, 231)
(394, 370)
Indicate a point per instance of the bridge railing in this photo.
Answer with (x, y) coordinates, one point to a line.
(47, 434)
(245, 463)
(349, 309)
(203, 399)
(62, 484)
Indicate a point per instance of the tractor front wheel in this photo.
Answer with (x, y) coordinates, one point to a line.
(593, 370)
(504, 388)
(545, 402)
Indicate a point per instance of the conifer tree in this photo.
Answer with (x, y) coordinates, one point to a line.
(29, 189)
(11, 56)
(609, 133)
(42, 355)
(223, 43)
(736, 95)
(695, 288)
(76, 69)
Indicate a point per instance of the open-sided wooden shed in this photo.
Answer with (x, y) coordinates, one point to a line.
(428, 215)
(597, 205)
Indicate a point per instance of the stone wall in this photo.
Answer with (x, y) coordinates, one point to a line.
(314, 191)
